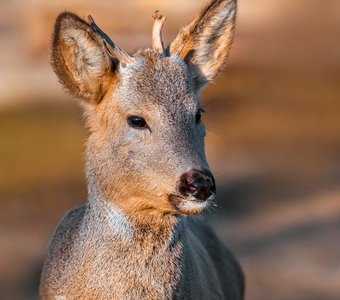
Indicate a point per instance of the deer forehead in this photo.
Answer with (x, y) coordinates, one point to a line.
(153, 81)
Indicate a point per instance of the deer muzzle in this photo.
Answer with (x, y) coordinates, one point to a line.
(198, 185)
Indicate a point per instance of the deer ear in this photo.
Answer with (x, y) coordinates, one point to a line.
(205, 43)
(80, 59)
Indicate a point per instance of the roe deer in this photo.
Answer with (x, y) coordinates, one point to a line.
(147, 175)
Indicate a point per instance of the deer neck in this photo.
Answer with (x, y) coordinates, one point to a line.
(146, 228)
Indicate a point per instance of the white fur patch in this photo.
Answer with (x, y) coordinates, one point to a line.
(119, 223)
(177, 59)
(129, 70)
(195, 205)
(192, 205)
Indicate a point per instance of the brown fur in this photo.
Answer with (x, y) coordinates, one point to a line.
(205, 42)
(136, 238)
(67, 53)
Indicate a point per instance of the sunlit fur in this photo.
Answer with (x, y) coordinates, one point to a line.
(130, 241)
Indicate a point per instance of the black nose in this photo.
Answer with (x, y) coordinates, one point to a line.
(199, 184)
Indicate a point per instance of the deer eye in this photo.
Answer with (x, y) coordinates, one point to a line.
(137, 122)
(199, 115)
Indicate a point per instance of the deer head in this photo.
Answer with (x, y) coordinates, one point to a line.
(145, 151)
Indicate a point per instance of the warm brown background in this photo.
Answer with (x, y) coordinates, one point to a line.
(273, 141)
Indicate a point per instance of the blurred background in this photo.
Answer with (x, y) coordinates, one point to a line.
(273, 141)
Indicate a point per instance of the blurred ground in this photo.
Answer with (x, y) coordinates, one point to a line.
(273, 140)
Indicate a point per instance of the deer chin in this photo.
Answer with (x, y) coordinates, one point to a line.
(190, 205)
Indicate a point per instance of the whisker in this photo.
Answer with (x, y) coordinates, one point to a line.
(209, 102)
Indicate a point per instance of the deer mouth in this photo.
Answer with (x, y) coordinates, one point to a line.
(190, 205)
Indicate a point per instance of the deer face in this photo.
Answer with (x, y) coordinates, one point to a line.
(146, 147)
(153, 140)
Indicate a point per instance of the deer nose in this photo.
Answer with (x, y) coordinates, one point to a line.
(199, 184)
